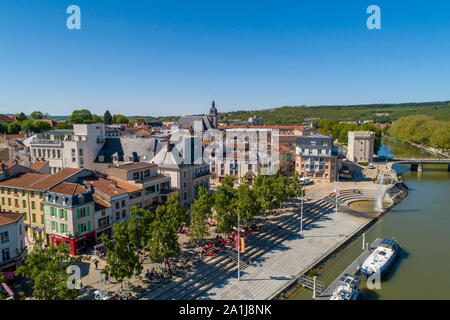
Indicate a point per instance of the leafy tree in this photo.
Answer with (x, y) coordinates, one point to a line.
(200, 211)
(80, 116)
(175, 211)
(37, 115)
(144, 223)
(2, 279)
(41, 126)
(163, 239)
(119, 119)
(246, 203)
(294, 187)
(14, 127)
(122, 260)
(27, 126)
(107, 118)
(21, 116)
(3, 127)
(63, 125)
(264, 192)
(280, 190)
(224, 205)
(47, 268)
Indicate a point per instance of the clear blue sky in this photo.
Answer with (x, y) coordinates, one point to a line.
(171, 57)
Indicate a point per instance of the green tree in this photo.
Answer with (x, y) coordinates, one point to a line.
(107, 118)
(224, 205)
(80, 116)
(47, 268)
(63, 125)
(175, 211)
(2, 279)
(163, 239)
(21, 116)
(41, 126)
(27, 126)
(246, 203)
(37, 115)
(120, 119)
(3, 127)
(264, 192)
(294, 186)
(200, 211)
(14, 127)
(122, 260)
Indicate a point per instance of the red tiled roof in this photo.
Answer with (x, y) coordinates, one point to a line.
(38, 165)
(70, 189)
(9, 217)
(38, 181)
(124, 185)
(108, 187)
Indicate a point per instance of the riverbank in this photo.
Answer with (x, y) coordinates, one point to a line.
(394, 194)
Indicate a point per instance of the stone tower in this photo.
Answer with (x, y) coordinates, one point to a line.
(213, 115)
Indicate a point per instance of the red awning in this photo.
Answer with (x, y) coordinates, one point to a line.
(8, 275)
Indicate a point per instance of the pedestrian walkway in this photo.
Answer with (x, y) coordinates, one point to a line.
(282, 265)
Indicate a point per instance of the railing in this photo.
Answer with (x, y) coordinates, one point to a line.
(308, 282)
(46, 141)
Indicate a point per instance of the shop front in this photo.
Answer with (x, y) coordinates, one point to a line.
(77, 245)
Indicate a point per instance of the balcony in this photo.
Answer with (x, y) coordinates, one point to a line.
(37, 141)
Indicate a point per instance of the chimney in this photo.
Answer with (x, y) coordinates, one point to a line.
(168, 146)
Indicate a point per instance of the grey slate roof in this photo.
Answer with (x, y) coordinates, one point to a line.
(188, 121)
(139, 149)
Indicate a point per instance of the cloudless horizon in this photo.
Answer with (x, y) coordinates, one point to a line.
(161, 58)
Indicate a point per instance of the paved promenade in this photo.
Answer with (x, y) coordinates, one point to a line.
(277, 268)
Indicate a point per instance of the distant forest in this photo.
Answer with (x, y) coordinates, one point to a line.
(375, 112)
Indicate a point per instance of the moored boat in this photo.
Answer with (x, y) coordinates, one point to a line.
(348, 288)
(381, 259)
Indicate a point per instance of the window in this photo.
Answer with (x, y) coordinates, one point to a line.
(123, 203)
(185, 195)
(117, 215)
(146, 173)
(5, 254)
(3, 201)
(83, 212)
(24, 203)
(124, 213)
(4, 236)
(81, 199)
(33, 218)
(117, 205)
(80, 152)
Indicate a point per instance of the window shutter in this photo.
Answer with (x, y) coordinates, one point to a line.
(79, 229)
(65, 214)
(78, 213)
(65, 228)
(61, 214)
(89, 226)
(56, 227)
(47, 224)
(87, 210)
(61, 227)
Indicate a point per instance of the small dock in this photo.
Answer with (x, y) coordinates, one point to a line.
(352, 269)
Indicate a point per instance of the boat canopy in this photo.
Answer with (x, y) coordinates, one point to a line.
(388, 243)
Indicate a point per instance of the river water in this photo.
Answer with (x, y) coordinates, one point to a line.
(421, 224)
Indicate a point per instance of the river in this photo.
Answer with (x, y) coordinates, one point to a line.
(421, 224)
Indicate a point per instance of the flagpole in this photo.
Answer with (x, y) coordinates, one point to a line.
(239, 249)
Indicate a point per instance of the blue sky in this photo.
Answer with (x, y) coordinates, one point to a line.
(171, 57)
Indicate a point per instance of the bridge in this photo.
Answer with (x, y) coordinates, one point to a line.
(417, 164)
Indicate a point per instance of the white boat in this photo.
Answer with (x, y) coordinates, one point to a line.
(348, 288)
(381, 259)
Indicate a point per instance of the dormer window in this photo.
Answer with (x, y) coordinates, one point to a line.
(55, 198)
(49, 196)
(81, 199)
(64, 200)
